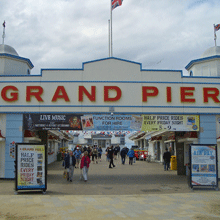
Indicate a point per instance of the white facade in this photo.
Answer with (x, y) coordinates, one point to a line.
(208, 65)
(11, 63)
(106, 84)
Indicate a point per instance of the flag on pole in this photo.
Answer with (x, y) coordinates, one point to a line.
(116, 3)
(217, 27)
(3, 24)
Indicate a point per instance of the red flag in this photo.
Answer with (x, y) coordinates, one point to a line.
(116, 3)
(217, 27)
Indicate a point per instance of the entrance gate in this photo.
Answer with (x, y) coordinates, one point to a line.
(105, 86)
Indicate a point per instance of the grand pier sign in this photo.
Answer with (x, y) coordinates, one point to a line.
(107, 83)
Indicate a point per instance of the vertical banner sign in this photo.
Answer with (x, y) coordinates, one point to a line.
(31, 167)
(204, 168)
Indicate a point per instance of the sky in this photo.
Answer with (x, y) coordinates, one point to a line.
(162, 34)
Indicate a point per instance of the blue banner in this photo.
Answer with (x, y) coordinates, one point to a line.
(106, 122)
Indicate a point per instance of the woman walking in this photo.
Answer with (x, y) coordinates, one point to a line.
(85, 161)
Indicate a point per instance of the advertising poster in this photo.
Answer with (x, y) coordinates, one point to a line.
(136, 122)
(12, 150)
(52, 121)
(87, 122)
(204, 165)
(31, 166)
(108, 122)
(170, 123)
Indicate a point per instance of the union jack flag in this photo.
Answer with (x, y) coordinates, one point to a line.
(217, 27)
(116, 3)
(3, 24)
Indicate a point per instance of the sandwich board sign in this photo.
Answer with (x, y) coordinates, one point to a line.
(30, 167)
(203, 166)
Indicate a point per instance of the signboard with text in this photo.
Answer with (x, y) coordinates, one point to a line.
(204, 165)
(106, 122)
(52, 121)
(170, 123)
(30, 167)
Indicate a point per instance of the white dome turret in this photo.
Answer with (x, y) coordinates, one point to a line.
(212, 51)
(8, 50)
(208, 65)
(11, 63)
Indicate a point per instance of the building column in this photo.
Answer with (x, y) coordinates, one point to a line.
(207, 134)
(14, 133)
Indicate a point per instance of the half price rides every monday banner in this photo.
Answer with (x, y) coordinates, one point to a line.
(31, 166)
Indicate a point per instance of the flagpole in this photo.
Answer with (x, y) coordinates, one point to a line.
(3, 35)
(109, 43)
(215, 37)
(111, 52)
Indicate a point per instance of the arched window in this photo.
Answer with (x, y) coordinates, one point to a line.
(191, 73)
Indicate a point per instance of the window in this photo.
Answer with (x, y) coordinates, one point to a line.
(101, 143)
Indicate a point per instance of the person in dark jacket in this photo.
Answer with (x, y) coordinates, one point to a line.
(111, 155)
(70, 162)
(123, 155)
(166, 158)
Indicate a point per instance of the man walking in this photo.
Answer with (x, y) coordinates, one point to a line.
(111, 155)
(166, 158)
(123, 155)
(70, 162)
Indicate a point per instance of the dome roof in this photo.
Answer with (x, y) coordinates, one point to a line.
(8, 49)
(212, 51)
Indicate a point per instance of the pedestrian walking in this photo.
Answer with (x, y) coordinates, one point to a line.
(166, 158)
(115, 149)
(100, 153)
(123, 154)
(77, 155)
(131, 156)
(107, 155)
(95, 154)
(70, 162)
(85, 161)
(111, 156)
(89, 150)
(118, 151)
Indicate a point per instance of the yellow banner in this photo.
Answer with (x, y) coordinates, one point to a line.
(170, 123)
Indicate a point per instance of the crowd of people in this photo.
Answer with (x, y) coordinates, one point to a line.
(81, 157)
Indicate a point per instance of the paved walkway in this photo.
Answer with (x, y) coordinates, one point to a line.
(140, 191)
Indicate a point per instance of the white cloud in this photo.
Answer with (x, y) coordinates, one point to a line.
(163, 34)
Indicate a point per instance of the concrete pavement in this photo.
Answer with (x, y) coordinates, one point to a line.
(142, 190)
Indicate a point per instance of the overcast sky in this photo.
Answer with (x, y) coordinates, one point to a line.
(160, 34)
